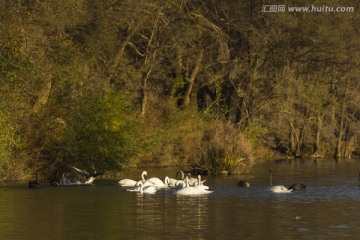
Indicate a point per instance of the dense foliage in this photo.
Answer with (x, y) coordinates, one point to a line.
(209, 84)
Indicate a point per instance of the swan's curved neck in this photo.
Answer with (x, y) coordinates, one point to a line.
(140, 185)
(143, 175)
(178, 182)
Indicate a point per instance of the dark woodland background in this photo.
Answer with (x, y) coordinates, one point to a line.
(216, 85)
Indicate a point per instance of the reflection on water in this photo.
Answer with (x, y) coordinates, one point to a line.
(327, 209)
(170, 215)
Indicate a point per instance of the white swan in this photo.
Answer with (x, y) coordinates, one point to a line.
(195, 181)
(157, 182)
(131, 183)
(199, 184)
(149, 189)
(179, 184)
(279, 189)
(191, 191)
(170, 182)
(139, 187)
(192, 181)
(198, 181)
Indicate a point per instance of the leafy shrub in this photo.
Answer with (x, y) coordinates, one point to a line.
(224, 150)
(102, 133)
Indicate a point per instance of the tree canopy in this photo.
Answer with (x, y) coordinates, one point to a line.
(208, 84)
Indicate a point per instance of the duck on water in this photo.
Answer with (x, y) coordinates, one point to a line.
(243, 183)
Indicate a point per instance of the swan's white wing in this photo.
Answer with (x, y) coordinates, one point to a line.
(90, 180)
(127, 183)
(149, 190)
(147, 184)
(157, 182)
(201, 187)
(80, 171)
(191, 191)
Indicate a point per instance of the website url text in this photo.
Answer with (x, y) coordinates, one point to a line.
(305, 9)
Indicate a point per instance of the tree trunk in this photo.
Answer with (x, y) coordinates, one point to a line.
(144, 100)
(317, 150)
(338, 152)
(295, 141)
(348, 144)
(302, 135)
(150, 57)
(117, 59)
(191, 80)
(292, 141)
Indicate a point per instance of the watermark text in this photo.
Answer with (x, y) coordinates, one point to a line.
(305, 9)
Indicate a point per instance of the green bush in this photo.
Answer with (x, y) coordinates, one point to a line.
(102, 133)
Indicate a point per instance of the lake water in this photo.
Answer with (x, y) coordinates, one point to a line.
(327, 209)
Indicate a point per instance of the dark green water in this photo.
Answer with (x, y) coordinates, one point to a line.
(328, 209)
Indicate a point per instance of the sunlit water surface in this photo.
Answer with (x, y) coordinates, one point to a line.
(327, 209)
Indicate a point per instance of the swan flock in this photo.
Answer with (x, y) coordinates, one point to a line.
(186, 186)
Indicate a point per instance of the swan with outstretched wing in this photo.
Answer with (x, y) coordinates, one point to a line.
(90, 177)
